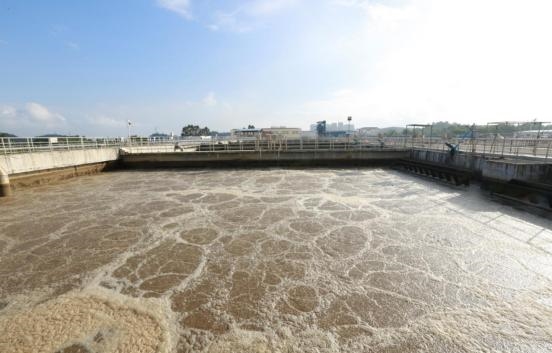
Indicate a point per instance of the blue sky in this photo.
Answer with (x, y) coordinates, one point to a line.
(85, 67)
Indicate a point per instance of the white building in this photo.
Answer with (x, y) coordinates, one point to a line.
(241, 133)
(309, 134)
(335, 127)
(288, 133)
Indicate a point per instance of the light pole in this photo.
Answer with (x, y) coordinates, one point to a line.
(349, 118)
(129, 123)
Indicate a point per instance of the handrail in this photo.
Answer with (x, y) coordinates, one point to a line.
(505, 147)
(12, 145)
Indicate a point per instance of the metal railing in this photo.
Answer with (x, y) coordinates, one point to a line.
(507, 147)
(13, 145)
(254, 144)
(500, 147)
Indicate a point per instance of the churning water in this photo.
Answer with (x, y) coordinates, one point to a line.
(323, 260)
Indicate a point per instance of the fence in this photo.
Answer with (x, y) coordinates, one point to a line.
(541, 148)
(12, 145)
(256, 144)
(504, 147)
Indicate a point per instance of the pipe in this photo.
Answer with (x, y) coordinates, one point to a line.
(5, 189)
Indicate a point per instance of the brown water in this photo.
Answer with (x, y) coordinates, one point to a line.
(317, 260)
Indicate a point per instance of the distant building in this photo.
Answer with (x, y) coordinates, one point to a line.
(336, 133)
(241, 133)
(288, 133)
(339, 127)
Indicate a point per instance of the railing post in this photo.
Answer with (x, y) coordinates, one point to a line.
(548, 150)
(3, 146)
(29, 145)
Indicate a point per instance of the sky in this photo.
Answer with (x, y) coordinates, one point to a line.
(86, 67)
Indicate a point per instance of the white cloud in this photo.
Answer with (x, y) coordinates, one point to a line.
(41, 115)
(268, 7)
(229, 21)
(389, 17)
(181, 7)
(72, 45)
(249, 15)
(107, 122)
(31, 117)
(7, 112)
(468, 61)
(210, 100)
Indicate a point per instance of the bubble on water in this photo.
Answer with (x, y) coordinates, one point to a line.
(273, 260)
(85, 323)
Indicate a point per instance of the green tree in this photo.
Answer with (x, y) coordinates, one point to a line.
(5, 134)
(194, 130)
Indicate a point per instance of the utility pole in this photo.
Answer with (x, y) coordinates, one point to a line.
(349, 130)
(129, 123)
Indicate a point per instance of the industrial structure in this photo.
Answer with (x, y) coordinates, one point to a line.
(517, 168)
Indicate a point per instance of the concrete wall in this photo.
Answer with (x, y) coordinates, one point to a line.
(34, 168)
(261, 158)
(518, 170)
(24, 169)
(38, 161)
(4, 183)
(474, 163)
(496, 168)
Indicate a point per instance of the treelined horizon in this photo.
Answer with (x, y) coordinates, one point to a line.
(88, 67)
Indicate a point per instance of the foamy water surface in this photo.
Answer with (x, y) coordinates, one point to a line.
(322, 260)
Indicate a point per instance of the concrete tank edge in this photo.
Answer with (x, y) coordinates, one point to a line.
(5, 188)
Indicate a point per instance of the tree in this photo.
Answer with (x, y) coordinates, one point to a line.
(5, 134)
(250, 126)
(194, 130)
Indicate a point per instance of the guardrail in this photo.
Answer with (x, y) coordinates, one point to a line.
(503, 147)
(540, 148)
(13, 145)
